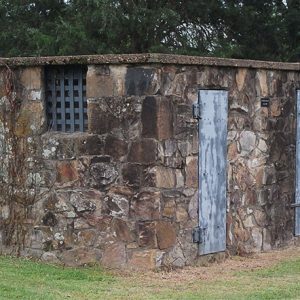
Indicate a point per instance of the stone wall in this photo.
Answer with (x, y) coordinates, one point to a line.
(125, 193)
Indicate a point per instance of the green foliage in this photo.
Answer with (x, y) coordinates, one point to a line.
(252, 29)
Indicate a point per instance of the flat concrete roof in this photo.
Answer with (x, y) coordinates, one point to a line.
(148, 58)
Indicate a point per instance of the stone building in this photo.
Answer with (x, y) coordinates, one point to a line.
(99, 158)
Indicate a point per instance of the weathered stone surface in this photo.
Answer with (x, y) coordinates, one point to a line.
(116, 205)
(240, 78)
(247, 142)
(115, 147)
(147, 234)
(166, 234)
(102, 174)
(31, 78)
(100, 118)
(193, 206)
(132, 174)
(50, 257)
(169, 209)
(139, 81)
(181, 214)
(67, 171)
(81, 202)
(88, 145)
(191, 172)
(157, 118)
(143, 151)
(128, 189)
(114, 256)
(99, 82)
(123, 231)
(31, 120)
(80, 256)
(143, 260)
(146, 206)
(86, 238)
(162, 177)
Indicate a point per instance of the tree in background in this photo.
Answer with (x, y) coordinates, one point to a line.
(252, 29)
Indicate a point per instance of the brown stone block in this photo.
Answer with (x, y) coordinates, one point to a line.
(99, 82)
(169, 210)
(115, 147)
(114, 256)
(80, 256)
(143, 260)
(166, 234)
(192, 172)
(241, 234)
(88, 145)
(116, 205)
(31, 78)
(162, 177)
(147, 234)
(86, 237)
(232, 151)
(146, 206)
(240, 78)
(102, 174)
(31, 119)
(67, 171)
(157, 118)
(123, 231)
(140, 81)
(100, 120)
(132, 174)
(143, 151)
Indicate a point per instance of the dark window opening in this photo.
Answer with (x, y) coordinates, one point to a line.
(66, 98)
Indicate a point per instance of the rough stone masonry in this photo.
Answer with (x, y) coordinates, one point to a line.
(124, 193)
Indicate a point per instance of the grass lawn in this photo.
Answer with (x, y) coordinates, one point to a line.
(273, 275)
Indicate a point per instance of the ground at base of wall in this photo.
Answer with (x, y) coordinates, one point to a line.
(272, 275)
(219, 268)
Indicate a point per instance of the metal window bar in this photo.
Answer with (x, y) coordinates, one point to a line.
(66, 98)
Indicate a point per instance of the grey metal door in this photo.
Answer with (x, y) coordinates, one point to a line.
(212, 170)
(297, 198)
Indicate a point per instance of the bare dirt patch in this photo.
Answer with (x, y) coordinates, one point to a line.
(222, 270)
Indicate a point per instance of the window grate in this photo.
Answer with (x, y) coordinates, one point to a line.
(66, 98)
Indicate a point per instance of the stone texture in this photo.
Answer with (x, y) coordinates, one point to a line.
(192, 172)
(146, 206)
(114, 256)
(102, 174)
(125, 193)
(115, 147)
(143, 151)
(67, 171)
(147, 234)
(157, 118)
(143, 260)
(31, 78)
(162, 177)
(99, 82)
(166, 235)
(80, 256)
(50, 257)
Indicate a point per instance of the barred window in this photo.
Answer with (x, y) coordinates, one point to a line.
(66, 98)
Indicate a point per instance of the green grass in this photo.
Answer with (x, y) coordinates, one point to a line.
(24, 279)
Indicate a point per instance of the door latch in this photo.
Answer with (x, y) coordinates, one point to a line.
(198, 235)
(196, 111)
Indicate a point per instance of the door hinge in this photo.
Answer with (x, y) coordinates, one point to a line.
(198, 235)
(196, 111)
